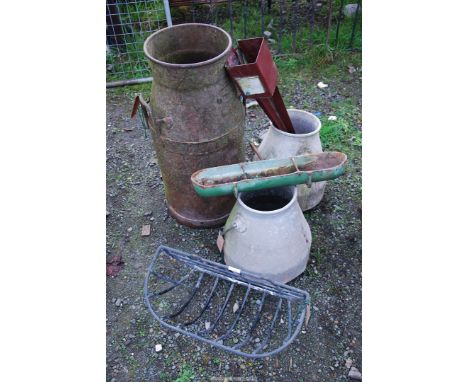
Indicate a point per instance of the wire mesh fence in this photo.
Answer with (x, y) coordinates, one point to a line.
(291, 26)
(128, 23)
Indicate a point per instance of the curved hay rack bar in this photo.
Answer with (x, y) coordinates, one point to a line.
(232, 310)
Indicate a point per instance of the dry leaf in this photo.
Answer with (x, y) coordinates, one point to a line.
(220, 242)
(307, 318)
(114, 265)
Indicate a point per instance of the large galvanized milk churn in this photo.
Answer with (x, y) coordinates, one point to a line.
(197, 116)
(268, 221)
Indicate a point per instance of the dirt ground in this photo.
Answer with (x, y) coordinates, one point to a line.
(135, 196)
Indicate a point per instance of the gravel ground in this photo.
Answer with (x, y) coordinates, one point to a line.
(330, 345)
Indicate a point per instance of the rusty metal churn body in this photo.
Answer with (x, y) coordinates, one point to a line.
(198, 116)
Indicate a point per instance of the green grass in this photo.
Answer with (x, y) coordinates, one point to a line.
(304, 38)
(168, 361)
(216, 361)
(138, 20)
(311, 50)
(342, 134)
(318, 256)
(186, 374)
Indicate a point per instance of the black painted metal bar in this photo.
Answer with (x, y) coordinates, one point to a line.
(289, 318)
(192, 295)
(193, 11)
(311, 20)
(262, 10)
(174, 284)
(338, 23)
(221, 311)
(329, 17)
(230, 18)
(299, 313)
(281, 25)
(245, 4)
(294, 24)
(210, 297)
(351, 40)
(210, 12)
(163, 277)
(266, 340)
(254, 324)
(244, 278)
(239, 312)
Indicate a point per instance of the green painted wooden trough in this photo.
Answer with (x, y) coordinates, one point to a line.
(257, 175)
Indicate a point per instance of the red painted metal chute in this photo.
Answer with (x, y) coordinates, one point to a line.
(254, 72)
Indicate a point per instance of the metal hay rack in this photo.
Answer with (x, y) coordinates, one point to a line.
(232, 310)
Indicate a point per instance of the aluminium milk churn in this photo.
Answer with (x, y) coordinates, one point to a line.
(280, 144)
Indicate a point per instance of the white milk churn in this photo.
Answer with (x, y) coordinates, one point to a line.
(266, 233)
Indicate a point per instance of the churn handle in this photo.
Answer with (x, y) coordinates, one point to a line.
(255, 150)
(139, 101)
